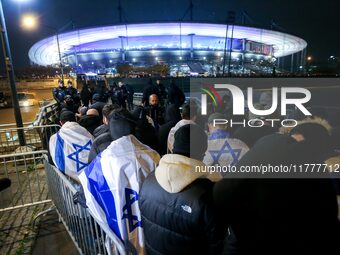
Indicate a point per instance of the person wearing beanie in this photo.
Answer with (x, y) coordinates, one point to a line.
(91, 120)
(176, 201)
(120, 124)
(283, 214)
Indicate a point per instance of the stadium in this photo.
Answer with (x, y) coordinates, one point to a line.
(187, 48)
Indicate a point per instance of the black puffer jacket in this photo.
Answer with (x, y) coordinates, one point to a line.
(281, 215)
(177, 212)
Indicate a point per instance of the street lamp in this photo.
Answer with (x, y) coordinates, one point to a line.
(10, 73)
(30, 22)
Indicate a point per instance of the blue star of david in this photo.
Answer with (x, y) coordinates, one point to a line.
(226, 148)
(131, 197)
(75, 155)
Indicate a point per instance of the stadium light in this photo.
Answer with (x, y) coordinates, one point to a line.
(10, 74)
(29, 21)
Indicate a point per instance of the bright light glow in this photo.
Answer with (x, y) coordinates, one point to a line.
(309, 58)
(134, 60)
(110, 60)
(21, 1)
(180, 58)
(92, 63)
(204, 58)
(156, 59)
(25, 103)
(29, 21)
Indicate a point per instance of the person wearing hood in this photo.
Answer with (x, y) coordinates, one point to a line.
(172, 116)
(283, 214)
(121, 123)
(176, 201)
(91, 120)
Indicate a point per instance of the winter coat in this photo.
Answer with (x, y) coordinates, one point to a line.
(90, 122)
(177, 212)
(175, 95)
(100, 143)
(101, 130)
(281, 215)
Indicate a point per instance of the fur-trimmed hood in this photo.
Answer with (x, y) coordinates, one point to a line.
(175, 172)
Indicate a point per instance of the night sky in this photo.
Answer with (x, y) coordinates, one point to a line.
(318, 22)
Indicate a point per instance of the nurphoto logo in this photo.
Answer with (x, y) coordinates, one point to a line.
(239, 106)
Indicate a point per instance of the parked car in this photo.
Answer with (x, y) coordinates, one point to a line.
(27, 99)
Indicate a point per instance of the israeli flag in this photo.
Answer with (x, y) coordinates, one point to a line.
(111, 185)
(70, 149)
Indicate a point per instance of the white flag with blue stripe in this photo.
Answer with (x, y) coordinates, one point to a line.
(111, 186)
(70, 148)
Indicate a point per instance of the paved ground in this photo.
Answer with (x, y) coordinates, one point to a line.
(53, 238)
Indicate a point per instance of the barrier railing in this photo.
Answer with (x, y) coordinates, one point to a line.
(88, 235)
(36, 138)
(47, 114)
(28, 183)
(137, 98)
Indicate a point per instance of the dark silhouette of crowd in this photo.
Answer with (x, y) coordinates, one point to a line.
(185, 211)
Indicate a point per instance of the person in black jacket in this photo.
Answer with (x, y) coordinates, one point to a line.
(91, 120)
(98, 104)
(176, 204)
(121, 123)
(283, 215)
(175, 95)
(148, 91)
(85, 94)
(122, 94)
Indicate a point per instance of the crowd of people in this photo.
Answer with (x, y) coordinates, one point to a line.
(184, 211)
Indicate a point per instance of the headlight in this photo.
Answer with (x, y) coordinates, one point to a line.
(25, 103)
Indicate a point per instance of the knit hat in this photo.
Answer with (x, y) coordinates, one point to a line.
(67, 116)
(121, 124)
(191, 141)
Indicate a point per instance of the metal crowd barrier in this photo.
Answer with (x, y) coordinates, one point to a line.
(137, 98)
(28, 184)
(89, 236)
(36, 138)
(47, 114)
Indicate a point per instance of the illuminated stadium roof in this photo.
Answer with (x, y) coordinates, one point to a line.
(158, 36)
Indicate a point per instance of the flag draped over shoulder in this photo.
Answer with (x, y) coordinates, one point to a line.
(111, 185)
(70, 148)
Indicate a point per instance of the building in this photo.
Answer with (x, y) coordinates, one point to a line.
(191, 48)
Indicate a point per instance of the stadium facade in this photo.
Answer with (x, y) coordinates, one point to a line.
(189, 47)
